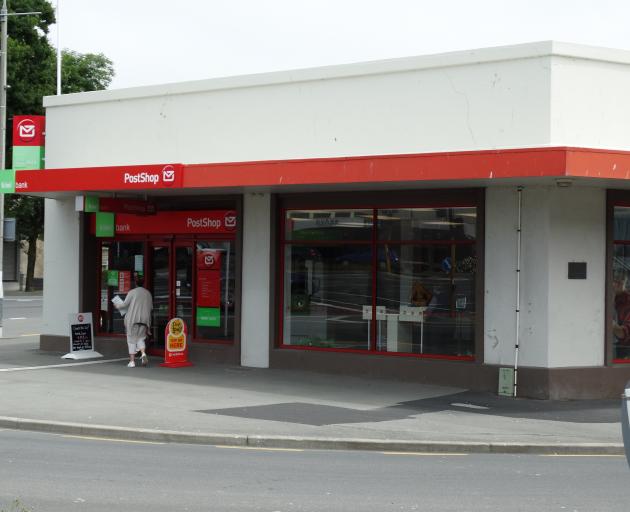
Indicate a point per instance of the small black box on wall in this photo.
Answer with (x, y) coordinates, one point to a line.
(577, 270)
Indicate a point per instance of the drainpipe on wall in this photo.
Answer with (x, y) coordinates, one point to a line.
(519, 191)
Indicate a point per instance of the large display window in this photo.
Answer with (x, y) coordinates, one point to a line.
(387, 280)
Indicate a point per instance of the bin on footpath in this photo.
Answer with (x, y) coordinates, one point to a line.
(625, 420)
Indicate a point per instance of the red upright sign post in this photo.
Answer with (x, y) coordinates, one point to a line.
(176, 344)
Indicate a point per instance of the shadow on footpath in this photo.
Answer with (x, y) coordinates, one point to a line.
(583, 411)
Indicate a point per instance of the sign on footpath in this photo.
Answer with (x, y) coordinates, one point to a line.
(175, 344)
(81, 337)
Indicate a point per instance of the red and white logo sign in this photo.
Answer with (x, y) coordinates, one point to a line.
(172, 222)
(27, 131)
(229, 221)
(209, 259)
(80, 317)
(168, 174)
(165, 177)
(140, 177)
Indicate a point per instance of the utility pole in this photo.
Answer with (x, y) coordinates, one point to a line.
(4, 47)
(3, 136)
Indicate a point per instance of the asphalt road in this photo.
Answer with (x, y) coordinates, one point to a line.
(21, 316)
(54, 473)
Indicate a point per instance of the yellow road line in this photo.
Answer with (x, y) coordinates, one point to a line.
(112, 440)
(427, 454)
(262, 448)
(579, 455)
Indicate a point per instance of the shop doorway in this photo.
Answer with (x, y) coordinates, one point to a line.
(188, 260)
(192, 280)
(172, 286)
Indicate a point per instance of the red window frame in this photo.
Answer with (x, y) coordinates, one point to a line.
(622, 203)
(374, 244)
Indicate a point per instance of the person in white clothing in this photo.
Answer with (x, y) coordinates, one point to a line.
(139, 304)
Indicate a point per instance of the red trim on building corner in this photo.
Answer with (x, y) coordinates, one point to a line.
(468, 165)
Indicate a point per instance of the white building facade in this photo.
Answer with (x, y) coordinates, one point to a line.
(377, 209)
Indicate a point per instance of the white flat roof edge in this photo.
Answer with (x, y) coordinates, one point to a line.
(397, 65)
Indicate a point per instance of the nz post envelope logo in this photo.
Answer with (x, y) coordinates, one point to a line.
(229, 220)
(168, 175)
(26, 130)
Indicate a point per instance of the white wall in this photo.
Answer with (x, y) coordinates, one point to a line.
(256, 307)
(294, 115)
(499, 273)
(540, 94)
(500, 276)
(562, 320)
(590, 106)
(62, 265)
(577, 307)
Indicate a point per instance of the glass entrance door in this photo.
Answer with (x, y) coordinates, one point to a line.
(183, 274)
(161, 291)
(195, 281)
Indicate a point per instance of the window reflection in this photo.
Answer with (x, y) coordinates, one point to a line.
(328, 225)
(620, 296)
(119, 263)
(427, 224)
(422, 261)
(429, 300)
(214, 314)
(326, 288)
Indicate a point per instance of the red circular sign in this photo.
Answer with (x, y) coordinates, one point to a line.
(80, 318)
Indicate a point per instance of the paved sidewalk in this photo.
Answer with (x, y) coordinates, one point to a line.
(220, 404)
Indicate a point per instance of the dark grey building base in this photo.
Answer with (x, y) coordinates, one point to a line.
(540, 383)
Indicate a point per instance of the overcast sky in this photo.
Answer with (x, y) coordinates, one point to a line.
(159, 41)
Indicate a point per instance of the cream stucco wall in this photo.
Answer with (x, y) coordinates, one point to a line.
(562, 320)
(62, 265)
(494, 98)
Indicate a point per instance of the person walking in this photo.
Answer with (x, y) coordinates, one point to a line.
(138, 304)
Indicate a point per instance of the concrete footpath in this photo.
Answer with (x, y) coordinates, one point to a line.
(230, 405)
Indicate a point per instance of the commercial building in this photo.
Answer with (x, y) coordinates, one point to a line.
(360, 218)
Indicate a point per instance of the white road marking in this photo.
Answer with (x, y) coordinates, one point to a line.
(16, 318)
(89, 438)
(31, 334)
(470, 406)
(260, 448)
(63, 365)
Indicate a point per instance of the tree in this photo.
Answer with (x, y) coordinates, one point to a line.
(31, 75)
(85, 72)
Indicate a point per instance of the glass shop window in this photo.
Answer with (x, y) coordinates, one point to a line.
(386, 280)
(620, 285)
(216, 267)
(120, 261)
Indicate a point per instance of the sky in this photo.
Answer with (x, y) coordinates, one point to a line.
(160, 41)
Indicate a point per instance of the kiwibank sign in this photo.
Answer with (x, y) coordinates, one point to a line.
(7, 181)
